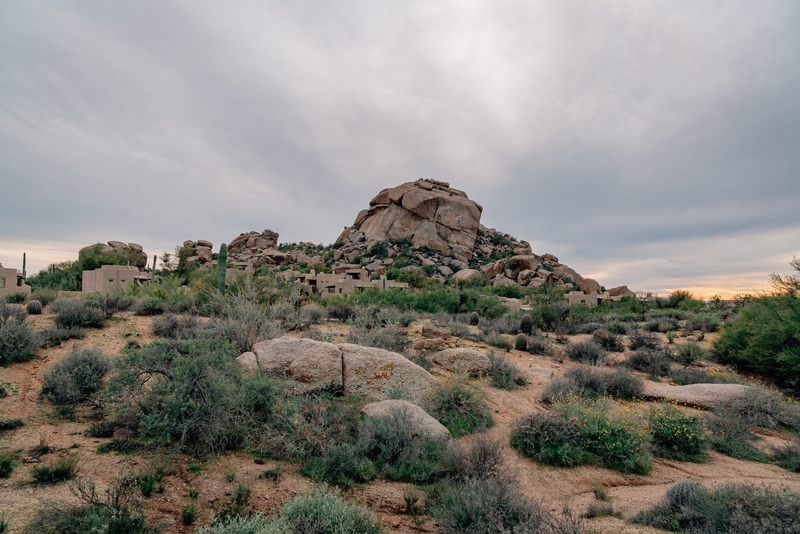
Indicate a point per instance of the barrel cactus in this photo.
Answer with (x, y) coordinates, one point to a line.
(521, 343)
(526, 324)
(685, 494)
(474, 319)
(34, 307)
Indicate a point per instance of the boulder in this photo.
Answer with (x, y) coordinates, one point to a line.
(463, 360)
(204, 253)
(378, 373)
(204, 243)
(400, 412)
(705, 396)
(521, 263)
(501, 280)
(117, 244)
(314, 365)
(562, 271)
(445, 270)
(264, 240)
(136, 246)
(465, 274)
(549, 258)
(621, 291)
(248, 360)
(589, 286)
(427, 212)
(524, 277)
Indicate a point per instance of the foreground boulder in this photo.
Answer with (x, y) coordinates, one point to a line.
(352, 369)
(404, 412)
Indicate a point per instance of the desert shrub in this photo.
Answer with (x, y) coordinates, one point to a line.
(150, 305)
(621, 384)
(11, 313)
(390, 338)
(341, 312)
(191, 394)
(55, 471)
(586, 352)
(549, 439)
(504, 374)
(732, 438)
(75, 378)
(7, 463)
(109, 303)
(10, 424)
(324, 512)
(765, 409)
(763, 337)
(618, 441)
(676, 435)
(18, 342)
(480, 505)
(610, 341)
(243, 320)
(117, 511)
(684, 377)
(45, 295)
(460, 407)
(689, 507)
(174, 326)
(690, 353)
(641, 339)
(75, 314)
(16, 298)
(651, 361)
(538, 345)
(787, 456)
(54, 335)
(34, 307)
(483, 459)
(592, 383)
(499, 341)
(342, 465)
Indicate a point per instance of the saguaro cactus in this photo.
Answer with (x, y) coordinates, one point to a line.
(222, 265)
(155, 258)
(24, 258)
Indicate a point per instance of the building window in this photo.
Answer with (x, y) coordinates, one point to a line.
(110, 279)
(2, 282)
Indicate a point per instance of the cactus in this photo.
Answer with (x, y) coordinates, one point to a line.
(155, 258)
(526, 324)
(34, 307)
(685, 494)
(521, 343)
(474, 319)
(222, 265)
(24, 258)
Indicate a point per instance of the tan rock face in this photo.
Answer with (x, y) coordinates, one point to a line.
(404, 414)
(589, 286)
(429, 213)
(463, 360)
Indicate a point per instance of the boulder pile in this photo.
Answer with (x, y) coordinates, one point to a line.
(200, 251)
(131, 250)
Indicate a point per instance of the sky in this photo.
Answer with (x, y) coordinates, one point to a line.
(654, 144)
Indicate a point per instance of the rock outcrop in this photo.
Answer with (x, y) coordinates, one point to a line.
(353, 369)
(132, 251)
(200, 252)
(257, 249)
(401, 412)
(463, 360)
(428, 213)
(705, 396)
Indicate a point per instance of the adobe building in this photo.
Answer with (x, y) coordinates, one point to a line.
(342, 281)
(594, 299)
(12, 281)
(110, 277)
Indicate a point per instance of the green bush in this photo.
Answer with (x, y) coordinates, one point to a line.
(10, 424)
(499, 341)
(191, 394)
(787, 456)
(654, 362)
(243, 320)
(75, 314)
(765, 409)
(55, 471)
(34, 307)
(684, 377)
(16, 298)
(538, 345)
(109, 303)
(343, 465)
(7, 463)
(586, 352)
(762, 337)
(150, 305)
(75, 378)
(117, 511)
(677, 436)
(732, 438)
(504, 374)
(592, 383)
(690, 353)
(461, 408)
(610, 341)
(174, 326)
(641, 339)
(18, 342)
(618, 441)
(691, 508)
(54, 336)
(549, 439)
(45, 295)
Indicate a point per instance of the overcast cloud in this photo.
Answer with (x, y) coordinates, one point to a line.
(653, 144)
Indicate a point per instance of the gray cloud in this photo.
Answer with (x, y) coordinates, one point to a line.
(651, 143)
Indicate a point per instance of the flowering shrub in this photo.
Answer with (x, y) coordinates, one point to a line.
(676, 435)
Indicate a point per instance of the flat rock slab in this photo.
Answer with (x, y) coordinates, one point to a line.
(463, 360)
(541, 372)
(705, 396)
(397, 411)
(354, 369)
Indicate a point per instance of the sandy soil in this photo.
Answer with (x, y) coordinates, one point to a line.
(217, 479)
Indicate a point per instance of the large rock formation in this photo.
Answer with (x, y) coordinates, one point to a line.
(405, 414)
(429, 213)
(133, 253)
